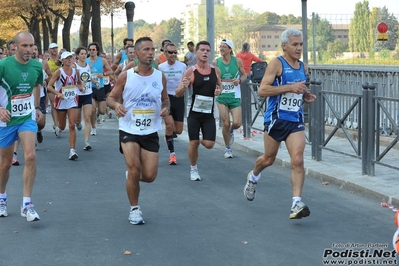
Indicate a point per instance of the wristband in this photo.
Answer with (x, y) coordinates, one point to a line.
(37, 108)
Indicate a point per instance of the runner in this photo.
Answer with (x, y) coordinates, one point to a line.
(145, 102)
(173, 70)
(284, 84)
(229, 102)
(205, 80)
(122, 55)
(97, 65)
(20, 77)
(85, 97)
(67, 82)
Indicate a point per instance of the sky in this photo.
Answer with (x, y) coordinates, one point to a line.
(154, 11)
(174, 8)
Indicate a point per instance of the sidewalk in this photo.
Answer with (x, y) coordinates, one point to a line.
(335, 168)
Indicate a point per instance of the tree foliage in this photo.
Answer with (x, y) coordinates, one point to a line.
(360, 37)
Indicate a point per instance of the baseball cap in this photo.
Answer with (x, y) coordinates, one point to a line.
(65, 55)
(229, 43)
(53, 45)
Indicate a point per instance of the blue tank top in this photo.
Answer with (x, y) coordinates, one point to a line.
(287, 106)
(96, 68)
(123, 57)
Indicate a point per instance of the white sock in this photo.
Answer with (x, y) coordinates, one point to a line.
(255, 178)
(26, 200)
(194, 167)
(3, 195)
(295, 200)
(134, 207)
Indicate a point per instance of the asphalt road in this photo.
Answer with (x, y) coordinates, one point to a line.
(84, 209)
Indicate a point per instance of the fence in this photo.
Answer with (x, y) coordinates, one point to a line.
(358, 103)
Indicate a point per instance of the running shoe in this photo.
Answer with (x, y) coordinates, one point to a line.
(231, 138)
(93, 132)
(395, 240)
(29, 212)
(39, 136)
(172, 159)
(15, 160)
(57, 131)
(103, 118)
(299, 210)
(194, 175)
(98, 119)
(79, 127)
(3, 208)
(228, 153)
(250, 188)
(87, 146)
(73, 155)
(135, 217)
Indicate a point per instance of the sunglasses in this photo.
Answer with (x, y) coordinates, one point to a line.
(92, 49)
(172, 52)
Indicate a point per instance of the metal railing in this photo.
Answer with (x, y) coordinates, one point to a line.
(360, 104)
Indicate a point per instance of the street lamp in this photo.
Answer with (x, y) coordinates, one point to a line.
(305, 31)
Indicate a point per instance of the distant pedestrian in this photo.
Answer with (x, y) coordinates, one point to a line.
(144, 103)
(247, 58)
(284, 84)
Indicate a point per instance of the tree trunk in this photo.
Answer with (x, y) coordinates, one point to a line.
(34, 28)
(96, 22)
(66, 30)
(45, 37)
(85, 23)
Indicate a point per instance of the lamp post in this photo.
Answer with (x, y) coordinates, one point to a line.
(129, 6)
(305, 31)
(112, 30)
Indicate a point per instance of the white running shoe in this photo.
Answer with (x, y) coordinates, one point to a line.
(228, 153)
(93, 132)
(73, 155)
(250, 188)
(87, 146)
(135, 217)
(29, 213)
(194, 175)
(57, 131)
(3, 208)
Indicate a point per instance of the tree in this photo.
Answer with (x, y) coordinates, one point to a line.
(268, 18)
(336, 48)
(360, 39)
(289, 20)
(324, 35)
(173, 29)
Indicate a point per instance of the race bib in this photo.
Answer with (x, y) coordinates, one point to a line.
(69, 92)
(22, 105)
(106, 80)
(143, 120)
(228, 86)
(203, 104)
(291, 102)
(95, 77)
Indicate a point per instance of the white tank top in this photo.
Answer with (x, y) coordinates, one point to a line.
(142, 99)
(85, 76)
(174, 74)
(67, 86)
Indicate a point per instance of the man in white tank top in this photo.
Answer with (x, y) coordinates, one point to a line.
(144, 103)
(173, 70)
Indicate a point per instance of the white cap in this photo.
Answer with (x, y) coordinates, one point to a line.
(65, 55)
(53, 45)
(229, 43)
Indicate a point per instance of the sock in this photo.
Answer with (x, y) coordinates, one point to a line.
(132, 208)
(295, 200)
(228, 148)
(169, 142)
(26, 201)
(3, 195)
(194, 167)
(255, 178)
(173, 153)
